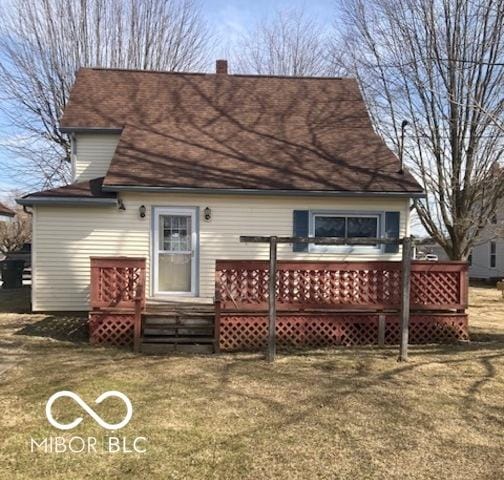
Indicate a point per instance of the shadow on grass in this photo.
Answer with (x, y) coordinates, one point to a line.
(485, 336)
(68, 329)
(64, 327)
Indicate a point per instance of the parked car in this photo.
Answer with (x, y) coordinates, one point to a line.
(431, 257)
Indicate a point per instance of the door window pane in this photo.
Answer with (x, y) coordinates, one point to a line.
(329, 226)
(174, 272)
(175, 233)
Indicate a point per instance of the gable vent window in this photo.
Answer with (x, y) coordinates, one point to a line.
(339, 225)
(493, 254)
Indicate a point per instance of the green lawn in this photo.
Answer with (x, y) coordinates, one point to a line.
(343, 413)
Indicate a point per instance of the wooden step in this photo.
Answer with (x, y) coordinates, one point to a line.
(181, 307)
(180, 330)
(169, 328)
(172, 316)
(177, 322)
(177, 309)
(164, 348)
(174, 339)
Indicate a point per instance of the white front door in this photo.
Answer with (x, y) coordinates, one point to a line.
(175, 241)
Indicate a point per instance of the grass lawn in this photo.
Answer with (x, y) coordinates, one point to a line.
(343, 413)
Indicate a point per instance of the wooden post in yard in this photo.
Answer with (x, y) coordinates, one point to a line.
(271, 352)
(381, 330)
(405, 298)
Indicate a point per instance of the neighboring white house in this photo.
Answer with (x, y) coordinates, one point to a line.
(175, 167)
(6, 213)
(487, 256)
(486, 261)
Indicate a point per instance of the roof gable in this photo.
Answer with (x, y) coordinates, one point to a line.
(235, 132)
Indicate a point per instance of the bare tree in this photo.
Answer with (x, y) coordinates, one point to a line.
(16, 232)
(44, 42)
(439, 65)
(290, 43)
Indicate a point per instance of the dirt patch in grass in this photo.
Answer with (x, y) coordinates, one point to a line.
(335, 414)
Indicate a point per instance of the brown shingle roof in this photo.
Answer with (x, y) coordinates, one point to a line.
(87, 189)
(5, 210)
(236, 132)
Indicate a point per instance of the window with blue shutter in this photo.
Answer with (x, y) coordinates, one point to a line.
(300, 229)
(344, 225)
(392, 227)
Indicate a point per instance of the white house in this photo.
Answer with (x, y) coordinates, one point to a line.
(487, 256)
(175, 167)
(486, 260)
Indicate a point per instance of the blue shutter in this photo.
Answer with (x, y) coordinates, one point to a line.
(392, 224)
(300, 229)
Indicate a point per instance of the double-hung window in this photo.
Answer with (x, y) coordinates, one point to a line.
(493, 254)
(345, 225)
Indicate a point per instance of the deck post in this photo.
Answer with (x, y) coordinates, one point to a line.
(137, 326)
(139, 305)
(271, 349)
(405, 298)
(217, 306)
(381, 330)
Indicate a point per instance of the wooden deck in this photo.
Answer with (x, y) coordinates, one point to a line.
(318, 304)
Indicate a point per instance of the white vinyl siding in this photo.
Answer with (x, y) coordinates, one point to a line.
(482, 251)
(65, 237)
(92, 154)
(480, 266)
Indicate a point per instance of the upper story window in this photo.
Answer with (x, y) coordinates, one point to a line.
(493, 254)
(345, 225)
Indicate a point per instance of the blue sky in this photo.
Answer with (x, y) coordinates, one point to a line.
(230, 18)
(7, 183)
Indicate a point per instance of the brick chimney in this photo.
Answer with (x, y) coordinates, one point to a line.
(221, 66)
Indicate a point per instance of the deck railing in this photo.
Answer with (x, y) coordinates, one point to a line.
(243, 285)
(117, 298)
(117, 282)
(321, 303)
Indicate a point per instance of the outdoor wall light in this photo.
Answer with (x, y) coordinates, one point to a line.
(141, 211)
(120, 204)
(208, 214)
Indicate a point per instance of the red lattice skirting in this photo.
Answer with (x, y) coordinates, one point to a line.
(249, 331)
(113, 329)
